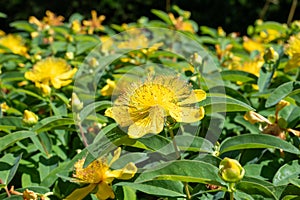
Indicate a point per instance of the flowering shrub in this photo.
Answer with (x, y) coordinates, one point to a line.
(161, 109)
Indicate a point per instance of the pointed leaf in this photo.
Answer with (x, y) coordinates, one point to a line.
(252, 141)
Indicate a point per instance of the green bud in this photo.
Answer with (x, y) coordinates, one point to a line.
(282, 123)
(230, 170)
(271, 56)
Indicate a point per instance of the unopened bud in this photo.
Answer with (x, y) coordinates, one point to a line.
(77, 105)
(30, 118)
(230, 170)
(270, 56)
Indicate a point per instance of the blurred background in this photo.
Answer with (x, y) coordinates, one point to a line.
(232, 15)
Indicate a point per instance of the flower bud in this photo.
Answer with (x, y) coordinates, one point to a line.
(30, 118)
(29, 195)
(77, 105)
(108, 89)
(270, 56)
(230, 170)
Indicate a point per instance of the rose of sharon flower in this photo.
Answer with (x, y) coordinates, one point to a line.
(99, 176)
(144, 105)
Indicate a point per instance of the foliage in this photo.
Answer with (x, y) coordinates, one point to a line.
(56, 134)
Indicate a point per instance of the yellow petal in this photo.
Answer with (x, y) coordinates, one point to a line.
(187, 114)
(120, 114)
(195, 96)
(153, 123)
(117, 154)
(293, 63)
(80, 193)
(104, 191)
(125, 173)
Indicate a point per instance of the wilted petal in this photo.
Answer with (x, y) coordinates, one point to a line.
(195, 96)
(254, 117)
(125, 173)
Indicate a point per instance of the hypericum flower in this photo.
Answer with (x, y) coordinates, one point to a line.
(275, 125)
(55, 71)
(30, 118)
(269, 35)
(292, 49)
(15, 43)
(49, 20)
(252, 45)
(181, 24)
(94, 24)
(4, 107)
(144, 105)
(230, 170)
(99, 176)
(252, 66)
(108, 89)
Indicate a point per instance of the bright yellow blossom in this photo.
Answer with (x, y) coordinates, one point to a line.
(108, 89)
(293, 51)
(99, 176)
(181, 24)
(94, 24)
(252, 45)
(14, 43)
(252, 66)
(144, 105)
(55, 71)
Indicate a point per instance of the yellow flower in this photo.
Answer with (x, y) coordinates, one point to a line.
(292, 49)
(4, 107)
(270, 55)
(14, 43)
(181, 24)
(230, 170)
(30, 118)
(99, 176)
(269, 35)
(107, 42)
(137, 41)
(55, 71)
(94, 24)
(144, 105)
(52, 19)
(252, 45)
(108, 89)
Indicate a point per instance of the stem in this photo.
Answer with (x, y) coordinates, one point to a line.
(187, 191)
(81, 131)
(174, 143)
(168, 5)
(292, 11)
(264, 10)
(231, 196)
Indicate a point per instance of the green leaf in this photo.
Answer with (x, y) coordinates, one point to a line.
(94, 107)
(162, 15)
(235, 75)
(23, 26)
(52, 123)
(10, 123)
(17, 91)
(182, 170)
(256, 190)
(281, 92)
(2, 15)
(287, 173)
(252, 141)
(158, 187)
(194, 143)
(12, 138)
(218, 103)
(129, 193)
(13, 170)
